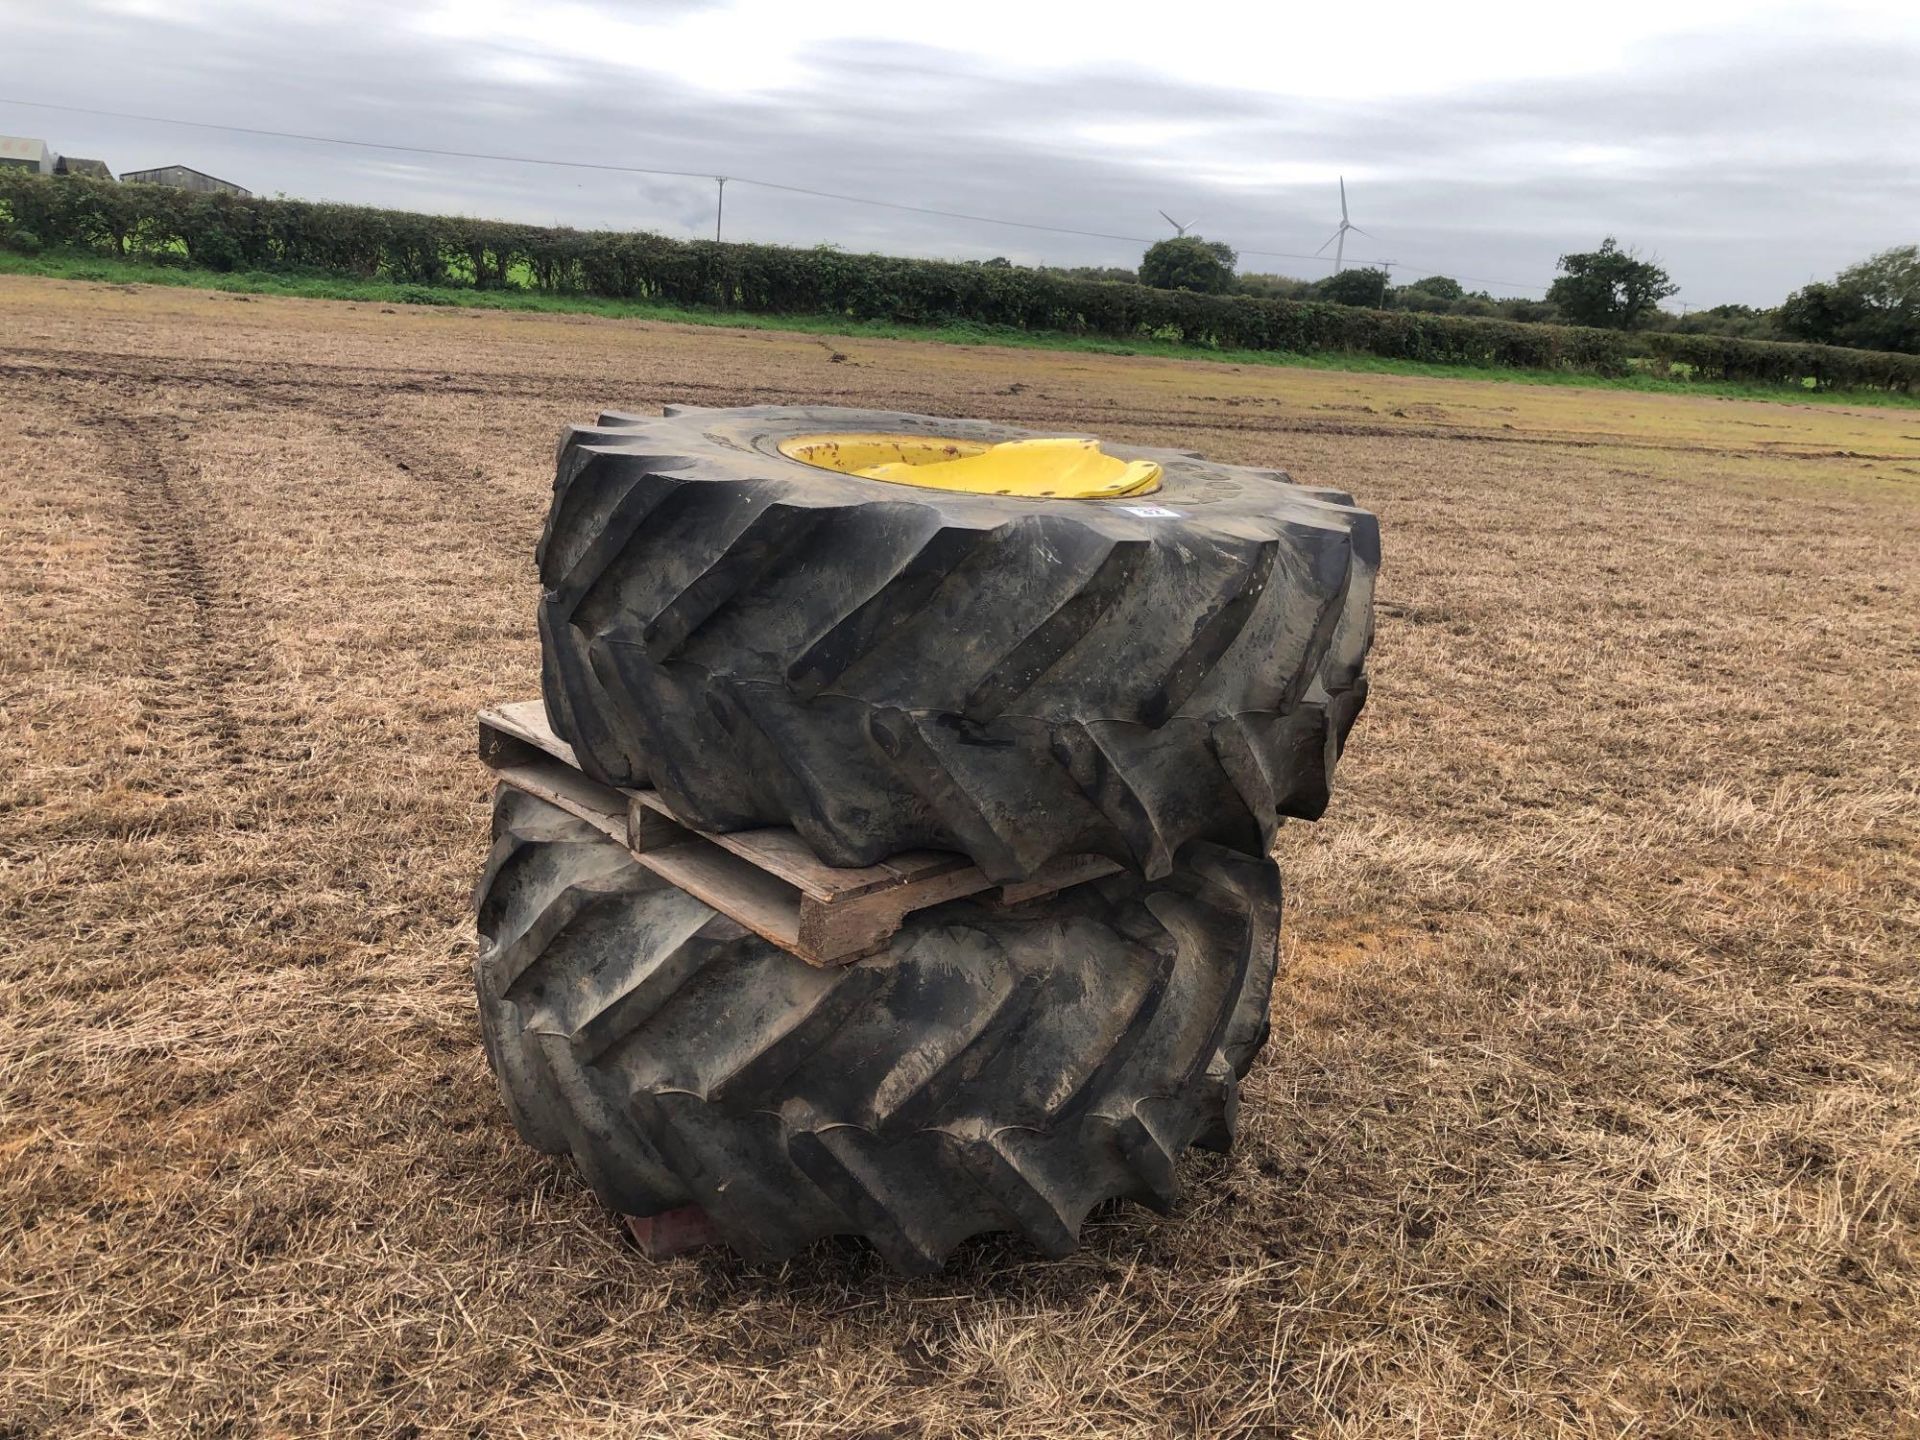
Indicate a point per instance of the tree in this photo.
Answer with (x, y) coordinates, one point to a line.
(1273, 287)
(1189, 263)
(1112, 274)
(1821, 313)
(1740, 322)
(1530, 312)
(1609, 287)
(1358, 286)
(1405, 297)
(1435, 295)
(1874, 305)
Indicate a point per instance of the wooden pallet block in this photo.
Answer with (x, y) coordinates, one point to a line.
(768, 879)
(674, 1232)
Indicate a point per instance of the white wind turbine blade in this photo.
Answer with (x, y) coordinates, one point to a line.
(1330, 239)
(1343, 200)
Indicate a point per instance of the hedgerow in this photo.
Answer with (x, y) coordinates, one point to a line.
(224, 232)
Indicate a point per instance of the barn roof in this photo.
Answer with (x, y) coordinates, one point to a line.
(156, 169)
(23, 147)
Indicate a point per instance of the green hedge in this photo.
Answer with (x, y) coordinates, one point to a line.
(226, 233)
(1721, 357)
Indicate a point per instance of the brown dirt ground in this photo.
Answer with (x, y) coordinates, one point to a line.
(1591, 1108)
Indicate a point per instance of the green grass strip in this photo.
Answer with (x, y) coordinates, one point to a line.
(115, 271)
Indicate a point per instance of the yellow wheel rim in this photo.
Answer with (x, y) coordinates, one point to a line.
(1043, 469)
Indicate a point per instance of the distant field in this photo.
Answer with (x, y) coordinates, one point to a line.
(1593, 1104)
(1647, 378)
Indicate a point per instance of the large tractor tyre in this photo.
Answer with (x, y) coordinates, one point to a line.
(886, 667)
(992, 1071)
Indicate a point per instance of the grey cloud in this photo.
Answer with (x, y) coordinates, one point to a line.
(1746, 164)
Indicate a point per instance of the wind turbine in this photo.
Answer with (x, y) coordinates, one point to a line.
(1178, 228)
(1339, 237)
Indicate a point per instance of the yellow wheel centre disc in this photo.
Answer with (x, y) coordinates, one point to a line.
(1044, 469)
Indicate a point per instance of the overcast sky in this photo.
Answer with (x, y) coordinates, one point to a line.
(1748, 146)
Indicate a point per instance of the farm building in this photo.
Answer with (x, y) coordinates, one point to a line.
(21, 153)
(184, 177)
(90, 169)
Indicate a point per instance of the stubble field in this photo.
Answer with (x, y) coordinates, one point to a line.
(1593, 1104)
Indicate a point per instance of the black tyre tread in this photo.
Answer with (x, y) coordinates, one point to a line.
(994, 1070)
(885, 668)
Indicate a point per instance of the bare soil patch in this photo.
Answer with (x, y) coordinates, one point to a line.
(1593, 1106)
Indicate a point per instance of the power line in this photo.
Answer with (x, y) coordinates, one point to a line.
(569, 165)
(357, 144)
(654, 170)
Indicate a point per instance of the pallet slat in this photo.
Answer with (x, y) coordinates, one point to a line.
(767, 879)
(775, 849)
(764, 904)
(599, 805)
(1067, 871)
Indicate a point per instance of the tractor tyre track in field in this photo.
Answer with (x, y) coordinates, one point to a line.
(187, 656)
(197, 625)
(305, 379)
(375, 434)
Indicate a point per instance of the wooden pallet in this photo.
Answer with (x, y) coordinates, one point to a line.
(768, 879)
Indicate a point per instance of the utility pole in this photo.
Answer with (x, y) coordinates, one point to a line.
(720, 208)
